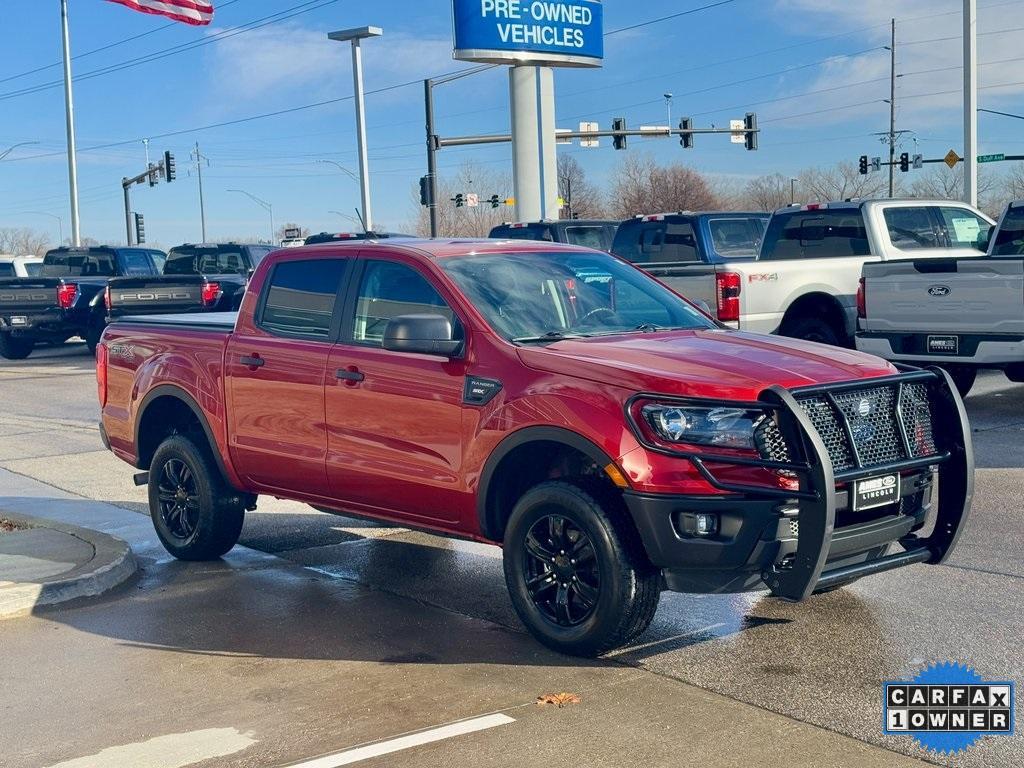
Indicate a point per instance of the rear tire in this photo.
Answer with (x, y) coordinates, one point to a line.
(815, 329)
(14, 348)
(963, 378)
(93, 334)
(584, 605)
(196, 515)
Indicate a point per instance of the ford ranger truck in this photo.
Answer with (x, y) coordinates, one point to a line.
(203, 277)
(553, 400)
(804, 281)
(964, 314)
(65, 297)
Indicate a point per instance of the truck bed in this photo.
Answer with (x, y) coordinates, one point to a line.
(211, 321)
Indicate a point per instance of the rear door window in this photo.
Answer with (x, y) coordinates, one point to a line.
(655, 242)
(1010, 237)
(301, 298)
(737, 237)
(588, 237)
(34, 269)
(136, 263)
(816, 234)
(964, 228)
(912, 228)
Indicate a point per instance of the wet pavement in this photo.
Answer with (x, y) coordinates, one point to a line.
(437, 611)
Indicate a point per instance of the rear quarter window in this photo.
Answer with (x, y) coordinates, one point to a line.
(651, 242)
(816, 234)
(1010, 237)
(737, 236)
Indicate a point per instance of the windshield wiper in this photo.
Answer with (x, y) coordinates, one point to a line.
(650, 328)
(549, 336)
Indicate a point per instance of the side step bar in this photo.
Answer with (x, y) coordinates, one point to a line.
(919, 554)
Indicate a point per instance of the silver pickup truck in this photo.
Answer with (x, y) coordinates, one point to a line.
(964, 314)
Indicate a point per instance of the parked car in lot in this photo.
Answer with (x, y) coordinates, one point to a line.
(590, 233)
(691, 252)
(66, 298)
(20, 266)
(965, 314)
(552, 399)
(203, 277)
(804, 281)
(341, 237)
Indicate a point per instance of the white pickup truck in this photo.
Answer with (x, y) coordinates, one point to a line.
(963, 314)
(804, 281)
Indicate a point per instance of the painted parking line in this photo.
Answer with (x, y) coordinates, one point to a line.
(379, 748)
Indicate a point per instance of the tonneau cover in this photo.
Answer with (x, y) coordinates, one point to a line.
(211, 321)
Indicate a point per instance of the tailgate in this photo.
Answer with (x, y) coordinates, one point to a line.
(155, 295)
(694, 281)
(28, 295)
(968, 295)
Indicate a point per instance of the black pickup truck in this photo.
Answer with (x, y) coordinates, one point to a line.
(202, 277)
(66, 298)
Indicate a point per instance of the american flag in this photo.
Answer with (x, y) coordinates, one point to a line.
(197, 12)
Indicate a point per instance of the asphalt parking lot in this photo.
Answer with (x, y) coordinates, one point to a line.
(355, 633)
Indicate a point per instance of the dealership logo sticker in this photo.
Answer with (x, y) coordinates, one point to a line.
(948, 708)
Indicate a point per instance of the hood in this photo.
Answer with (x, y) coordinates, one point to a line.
(729, 365)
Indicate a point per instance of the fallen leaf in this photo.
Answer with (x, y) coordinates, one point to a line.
(558, 699)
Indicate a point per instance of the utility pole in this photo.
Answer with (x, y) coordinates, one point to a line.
(971, 102)
(69, 116)
(127, 185)
(198, 157)
(892, 110)
(428, 101)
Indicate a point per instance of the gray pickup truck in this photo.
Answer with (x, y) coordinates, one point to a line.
(691, 251)
(964, 314)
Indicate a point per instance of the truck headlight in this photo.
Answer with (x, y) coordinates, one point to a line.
(721, 426)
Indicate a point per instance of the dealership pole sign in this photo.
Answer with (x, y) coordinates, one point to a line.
(567, 33)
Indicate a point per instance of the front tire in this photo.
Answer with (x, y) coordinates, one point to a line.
(963, 377)
(14, 348)
(196, 515)
(816, 329)
(576, 574)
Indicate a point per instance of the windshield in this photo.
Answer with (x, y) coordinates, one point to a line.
(536, 297)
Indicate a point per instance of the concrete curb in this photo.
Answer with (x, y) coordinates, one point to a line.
(112, 563)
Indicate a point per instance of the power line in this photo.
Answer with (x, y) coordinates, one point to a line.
(670, 16)
(249, 26)
(106, 47)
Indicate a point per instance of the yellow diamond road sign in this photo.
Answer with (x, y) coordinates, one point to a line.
(952, 158)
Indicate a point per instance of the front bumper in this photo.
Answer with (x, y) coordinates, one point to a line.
(796, 541)
(981, 350)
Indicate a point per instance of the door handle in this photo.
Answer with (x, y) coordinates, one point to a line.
(349, 376)
(253, 361)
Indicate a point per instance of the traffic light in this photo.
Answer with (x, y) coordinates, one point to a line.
(495, 201)
(905, 162)
(426, 198)
(459, 200)
(619, 124)
(750, 137)
(140, 229)
(863, 167)
(170, 170)
(686, 139)
(154, 176)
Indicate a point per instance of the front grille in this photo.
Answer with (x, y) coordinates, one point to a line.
(883, 421)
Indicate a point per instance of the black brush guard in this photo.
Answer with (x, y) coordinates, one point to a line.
(815, 497)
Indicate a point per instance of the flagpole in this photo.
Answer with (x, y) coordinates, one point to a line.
(76, 234)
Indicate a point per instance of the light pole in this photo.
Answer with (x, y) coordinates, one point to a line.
(10, 149)
(792, 191)
(355, 36)
(668, 103)
(341, 168)
(353, 219)
(263, 204)
(60, 223)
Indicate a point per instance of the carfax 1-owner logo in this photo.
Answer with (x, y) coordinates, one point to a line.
(948, 707)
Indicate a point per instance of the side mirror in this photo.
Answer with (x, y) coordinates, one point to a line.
(424, 334)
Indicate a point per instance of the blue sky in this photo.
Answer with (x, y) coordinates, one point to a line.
(814, 71)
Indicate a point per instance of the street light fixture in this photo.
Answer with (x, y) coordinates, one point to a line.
(354, 36)
(60, 223)
(341, 168)
(353, 219)
(262, 203)
(10, 149)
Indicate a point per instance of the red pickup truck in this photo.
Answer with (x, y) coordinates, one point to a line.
(554, 400)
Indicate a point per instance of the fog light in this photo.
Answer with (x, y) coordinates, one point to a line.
(706, 525)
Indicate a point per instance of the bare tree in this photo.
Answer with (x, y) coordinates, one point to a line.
(768, 193)
(23, 241)
(941, 182)
(840, 182)
(477, 221)
(583, 200)
(1014, 183)
(643, 186)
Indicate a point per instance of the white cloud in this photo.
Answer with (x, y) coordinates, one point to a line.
(929, 88)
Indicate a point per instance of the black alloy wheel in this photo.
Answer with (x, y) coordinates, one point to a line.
(561, 570)
(178, 495)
